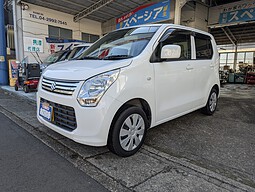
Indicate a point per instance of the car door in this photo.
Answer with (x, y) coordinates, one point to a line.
(174, 79)
(203, 68)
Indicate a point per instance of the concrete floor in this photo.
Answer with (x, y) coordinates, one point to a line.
(224, 142)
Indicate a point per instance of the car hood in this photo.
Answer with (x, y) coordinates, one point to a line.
(82, 69)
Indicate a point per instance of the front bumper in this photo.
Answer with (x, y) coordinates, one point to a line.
(93, 123)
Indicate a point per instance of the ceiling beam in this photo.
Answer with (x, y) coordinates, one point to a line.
(58, 6)
(121, 5)
(84, 7)
(104, 13)
(226, 33)
(134, 3)
(75, 4)
(96, 16)
(117, 10)
(229, 32)
(93, 17)
(91, 1)
(91, 9)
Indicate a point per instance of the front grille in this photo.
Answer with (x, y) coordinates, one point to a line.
(64, 116)
(58, 86)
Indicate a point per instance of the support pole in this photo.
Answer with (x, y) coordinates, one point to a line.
(18, 33)
(235, 57)
(3, 62)
(178, 10)
(14, 12)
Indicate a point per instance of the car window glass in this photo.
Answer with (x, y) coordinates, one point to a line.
(177, 37)
(121, 44)
(203, 47)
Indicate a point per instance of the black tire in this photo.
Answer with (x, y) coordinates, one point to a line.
(16, 87)
(212, 103)
(134, 135)
(26, 89)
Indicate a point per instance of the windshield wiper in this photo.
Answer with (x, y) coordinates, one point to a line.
(113, 57)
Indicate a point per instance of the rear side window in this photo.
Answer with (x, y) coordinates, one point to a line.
(204, 48)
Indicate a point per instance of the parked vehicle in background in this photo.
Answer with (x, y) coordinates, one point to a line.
(54, 58)
(130, 80)
(78, 50)
(28, 75)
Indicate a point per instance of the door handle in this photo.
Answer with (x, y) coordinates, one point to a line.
(189, 67)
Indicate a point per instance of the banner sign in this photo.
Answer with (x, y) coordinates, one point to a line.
(13, 69)
(150, 13)
(62, 44)
(238, 13)
(32, 44)
(13, 72)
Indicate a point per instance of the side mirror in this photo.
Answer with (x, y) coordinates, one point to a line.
(171, 52)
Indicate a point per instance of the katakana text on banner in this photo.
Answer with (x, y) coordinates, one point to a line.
(149, 13)
(243, 11)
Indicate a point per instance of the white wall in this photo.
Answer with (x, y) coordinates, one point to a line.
(35, 26)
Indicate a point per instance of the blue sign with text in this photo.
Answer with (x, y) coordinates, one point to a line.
(150, 13)
(237, 16)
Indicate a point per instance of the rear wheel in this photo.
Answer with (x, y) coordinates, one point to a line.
(26, 89)
(212, 102)
(16, 87)
(128, 132)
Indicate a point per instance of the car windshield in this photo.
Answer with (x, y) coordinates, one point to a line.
(121, 44)
(54, 57)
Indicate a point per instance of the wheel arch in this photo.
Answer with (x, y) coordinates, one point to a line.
(139, 102)
(217, 89)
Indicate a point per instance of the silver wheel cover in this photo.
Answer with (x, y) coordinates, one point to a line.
(132, 132)
(213, 102)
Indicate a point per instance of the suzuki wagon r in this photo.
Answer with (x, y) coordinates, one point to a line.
(128, 81)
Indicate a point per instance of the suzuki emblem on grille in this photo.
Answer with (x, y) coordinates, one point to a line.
(53, 86)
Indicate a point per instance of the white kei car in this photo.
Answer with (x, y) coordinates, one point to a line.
(129, 81)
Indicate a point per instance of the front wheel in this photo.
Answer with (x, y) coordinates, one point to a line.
(212, 102)
(128, 132)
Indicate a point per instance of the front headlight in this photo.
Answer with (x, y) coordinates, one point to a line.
(93, 89)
